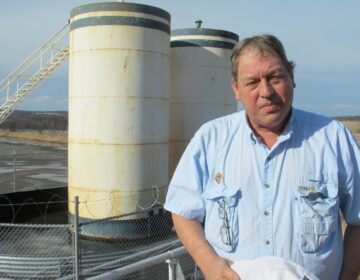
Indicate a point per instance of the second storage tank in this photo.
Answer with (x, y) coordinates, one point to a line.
(200, 88)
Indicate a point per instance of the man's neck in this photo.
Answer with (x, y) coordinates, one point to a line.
(268, 135)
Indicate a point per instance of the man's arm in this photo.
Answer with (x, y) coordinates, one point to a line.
(351, 264)
(192, 236)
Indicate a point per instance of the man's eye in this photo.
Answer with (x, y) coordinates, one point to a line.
(252, 83)
(277, 78)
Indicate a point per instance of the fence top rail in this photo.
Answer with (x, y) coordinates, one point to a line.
(115, 274)
(33, 225)
(166, 247)
(36, 259)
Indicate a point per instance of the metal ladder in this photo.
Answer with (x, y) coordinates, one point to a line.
(36, 68)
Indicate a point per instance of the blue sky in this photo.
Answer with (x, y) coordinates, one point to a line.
(321, 36)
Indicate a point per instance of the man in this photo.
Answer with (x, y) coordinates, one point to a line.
(270, 180)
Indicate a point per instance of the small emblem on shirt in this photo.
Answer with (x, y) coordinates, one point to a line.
(218, 177)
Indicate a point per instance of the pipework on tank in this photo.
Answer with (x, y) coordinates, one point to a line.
(198, 23)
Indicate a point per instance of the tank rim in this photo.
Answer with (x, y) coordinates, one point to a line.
(120, 6)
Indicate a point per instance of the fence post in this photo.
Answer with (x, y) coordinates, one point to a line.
(196, 272)
(76, 233)
(14, 175)
(172, 268)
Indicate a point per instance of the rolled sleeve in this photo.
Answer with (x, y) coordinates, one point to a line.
(185, 189)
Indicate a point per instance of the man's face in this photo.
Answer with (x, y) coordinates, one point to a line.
(265, 88)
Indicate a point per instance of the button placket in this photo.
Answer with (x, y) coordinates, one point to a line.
(267, 219)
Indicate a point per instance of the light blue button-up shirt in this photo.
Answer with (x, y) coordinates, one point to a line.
(282, 201)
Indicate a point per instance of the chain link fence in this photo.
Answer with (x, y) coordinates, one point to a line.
(71, 251)
(146, 237)
(40, 239)
(35, 251)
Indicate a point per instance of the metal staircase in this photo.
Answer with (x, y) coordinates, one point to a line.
(36, 68)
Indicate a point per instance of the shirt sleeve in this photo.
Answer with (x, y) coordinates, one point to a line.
(186, 186)
(350, 189)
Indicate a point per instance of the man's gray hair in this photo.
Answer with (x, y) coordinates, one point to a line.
(261, 43)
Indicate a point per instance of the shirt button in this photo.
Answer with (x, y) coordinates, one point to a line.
(267, 186)
(267, 242)
(266, 213)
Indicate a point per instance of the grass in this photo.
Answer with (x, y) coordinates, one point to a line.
(354, 126)
(45, 136)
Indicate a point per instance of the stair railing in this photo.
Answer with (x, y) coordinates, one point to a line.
(35, 68)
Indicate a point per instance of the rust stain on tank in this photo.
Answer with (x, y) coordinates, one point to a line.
(126, 62)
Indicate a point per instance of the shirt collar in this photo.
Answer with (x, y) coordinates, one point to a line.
(251, 135)
(285, 135)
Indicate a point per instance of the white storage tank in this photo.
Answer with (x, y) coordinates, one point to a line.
(200, 88)
(118, 114)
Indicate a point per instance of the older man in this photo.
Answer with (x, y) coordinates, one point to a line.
(270, 180)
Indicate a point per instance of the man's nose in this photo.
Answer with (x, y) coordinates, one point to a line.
(266, 90)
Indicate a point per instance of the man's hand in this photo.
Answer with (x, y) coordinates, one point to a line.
(221, 270)
(192, 236)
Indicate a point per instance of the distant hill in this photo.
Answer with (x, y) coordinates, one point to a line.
(348, 118)
(23, 120)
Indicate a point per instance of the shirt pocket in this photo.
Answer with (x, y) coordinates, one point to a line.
(318, 205)
(221, 219)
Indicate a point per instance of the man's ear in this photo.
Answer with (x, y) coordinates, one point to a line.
(234, 86)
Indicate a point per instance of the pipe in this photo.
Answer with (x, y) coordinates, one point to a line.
(124, 259)
(115, 274)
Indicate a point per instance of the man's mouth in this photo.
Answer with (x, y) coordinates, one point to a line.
(270, 107)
